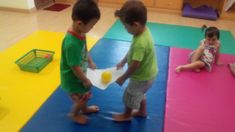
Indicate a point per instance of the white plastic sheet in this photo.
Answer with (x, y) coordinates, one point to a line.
(95, 76)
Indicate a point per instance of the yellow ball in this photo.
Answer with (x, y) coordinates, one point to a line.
(106, 77)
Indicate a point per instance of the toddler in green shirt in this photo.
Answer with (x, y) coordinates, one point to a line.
(141, 59)
(75, 59)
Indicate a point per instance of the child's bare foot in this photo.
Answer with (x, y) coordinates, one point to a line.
(197, 70)
(122, 117)
(178, 69)
(232, 68)
(80, 119)
(91, 109)
(232, 65)
(139, 114)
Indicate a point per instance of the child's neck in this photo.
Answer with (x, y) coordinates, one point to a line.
(75, 29)
(140, 31)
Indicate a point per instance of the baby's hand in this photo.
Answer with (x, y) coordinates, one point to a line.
(120, 65)
(92, 65)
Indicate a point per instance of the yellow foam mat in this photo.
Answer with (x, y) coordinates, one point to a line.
(22, 93)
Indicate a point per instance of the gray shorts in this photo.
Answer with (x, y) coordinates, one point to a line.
(134, 93)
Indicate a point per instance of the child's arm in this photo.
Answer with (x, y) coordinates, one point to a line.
(91, 63)
(79, 74)
(122, 63)
(131, 69)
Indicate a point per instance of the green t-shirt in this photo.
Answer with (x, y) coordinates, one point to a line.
(142, 50)
(74, 53)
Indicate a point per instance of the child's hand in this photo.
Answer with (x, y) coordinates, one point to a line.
(120, 81)
(87, 83)
(120, 65)
(92, 65)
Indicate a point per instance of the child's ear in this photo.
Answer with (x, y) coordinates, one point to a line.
(79, 23)
(136, 24)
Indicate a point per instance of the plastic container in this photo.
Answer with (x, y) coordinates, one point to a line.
(35, 60)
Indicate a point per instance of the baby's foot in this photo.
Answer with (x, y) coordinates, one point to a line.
(178, 69)
(139, 114)
(232, 65)
(197, 70)
(91, 109)
(80, 119)
(122, 117)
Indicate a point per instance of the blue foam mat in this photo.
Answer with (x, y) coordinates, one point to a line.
(52, 116)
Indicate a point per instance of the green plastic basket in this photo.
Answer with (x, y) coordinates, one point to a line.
(35, 60)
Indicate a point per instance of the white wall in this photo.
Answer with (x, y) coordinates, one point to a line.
(19, 4)
(229, 4)
(31, 4)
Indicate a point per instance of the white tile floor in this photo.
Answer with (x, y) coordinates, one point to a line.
(15, 26)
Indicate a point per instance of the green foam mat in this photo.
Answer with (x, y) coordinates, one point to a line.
(174, 35)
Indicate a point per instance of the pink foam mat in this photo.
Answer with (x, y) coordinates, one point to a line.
(199, 102)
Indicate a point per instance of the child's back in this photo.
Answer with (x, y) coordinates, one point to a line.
(143, 50)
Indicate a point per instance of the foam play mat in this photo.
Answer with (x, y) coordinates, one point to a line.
(174, 35)
(106, 53)
(184, 102)
(22, 93)
(199, 102)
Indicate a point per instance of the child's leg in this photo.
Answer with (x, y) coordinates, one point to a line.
(142, 111)
(193, 66)
(89, 109)
(134, 98)
(126, 116)
(197, 55)
(232, 68)
(128, 100)
(76, 116)
(79, 102)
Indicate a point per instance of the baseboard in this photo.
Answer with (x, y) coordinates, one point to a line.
(18, 9)
(110, 5)
(169, 11)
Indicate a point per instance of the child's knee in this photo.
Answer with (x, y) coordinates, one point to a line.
(201, 64)
(85, 97)
(80, 98)
(75, 97)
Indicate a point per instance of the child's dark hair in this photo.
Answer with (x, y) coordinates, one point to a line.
(132, 11)
(85, 10)
(211, 31)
